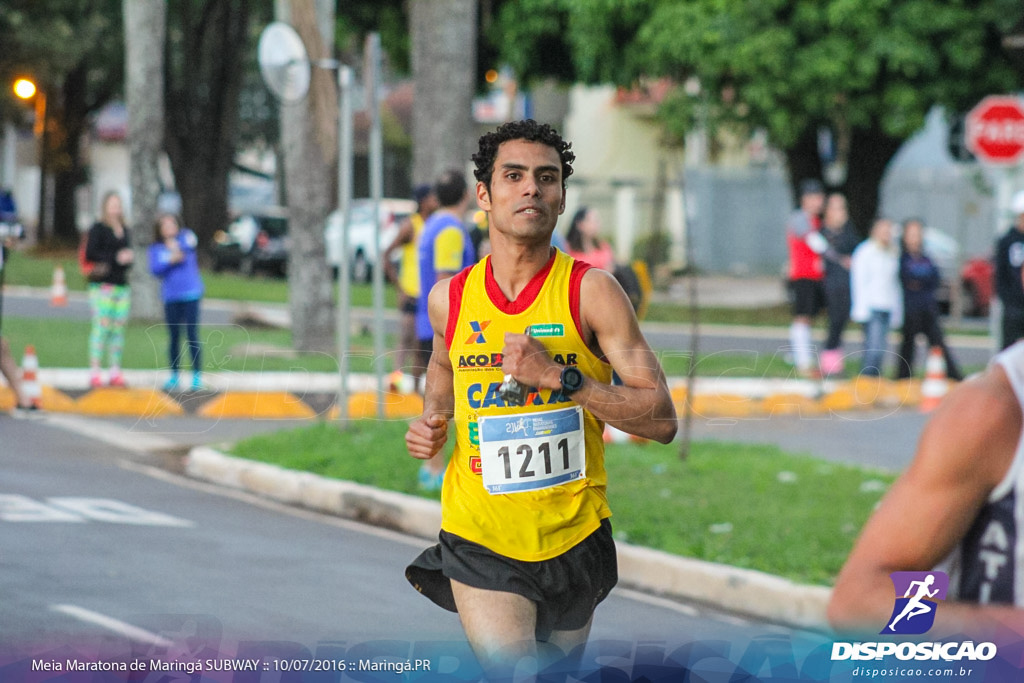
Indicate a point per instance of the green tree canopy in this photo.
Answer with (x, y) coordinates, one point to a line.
(868, 70)
(74, 51)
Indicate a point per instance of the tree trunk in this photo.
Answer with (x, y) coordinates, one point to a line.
(202, 116)
(66, 159)
(309, 136)
(144, 30)
(205, 182)
(870, 153)
(803, 161)
(444, 34)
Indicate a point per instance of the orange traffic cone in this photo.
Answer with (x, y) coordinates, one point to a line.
(935, 385)
(30, 386)
(59, 289)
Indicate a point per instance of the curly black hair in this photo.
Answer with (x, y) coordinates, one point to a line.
(529, 130)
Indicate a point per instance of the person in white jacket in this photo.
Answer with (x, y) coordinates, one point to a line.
(876, 297)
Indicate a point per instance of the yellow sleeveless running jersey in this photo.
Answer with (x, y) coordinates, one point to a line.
(527, 482)
(409, 266)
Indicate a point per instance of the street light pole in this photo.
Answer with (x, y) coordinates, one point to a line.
(26, 89)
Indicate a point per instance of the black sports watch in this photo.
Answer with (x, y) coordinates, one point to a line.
(571, 379)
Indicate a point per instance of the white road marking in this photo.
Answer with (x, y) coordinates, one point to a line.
(130, 632)
(116, 512)
(16, 508)
(291, 510)
(136, 442)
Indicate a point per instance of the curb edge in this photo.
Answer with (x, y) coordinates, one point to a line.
(734, 589)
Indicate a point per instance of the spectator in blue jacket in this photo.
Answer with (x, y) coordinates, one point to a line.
(173, 259)
(919, 277)
(8, 209)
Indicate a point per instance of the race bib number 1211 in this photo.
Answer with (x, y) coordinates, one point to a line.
(532, 451)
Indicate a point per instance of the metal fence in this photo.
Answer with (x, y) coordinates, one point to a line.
(956, 199)
(737, 217)
(737, 220)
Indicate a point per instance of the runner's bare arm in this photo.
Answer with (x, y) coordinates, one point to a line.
(428, 433)
(964, 451)
(643, 406)
(404, 236)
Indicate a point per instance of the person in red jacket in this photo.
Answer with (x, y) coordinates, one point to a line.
(806, 271)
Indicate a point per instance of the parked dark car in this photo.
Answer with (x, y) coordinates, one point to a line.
(253, 242)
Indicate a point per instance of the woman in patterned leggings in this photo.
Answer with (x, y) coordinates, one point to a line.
(109, 251)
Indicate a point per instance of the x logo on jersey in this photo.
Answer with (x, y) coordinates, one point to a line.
(478, 332)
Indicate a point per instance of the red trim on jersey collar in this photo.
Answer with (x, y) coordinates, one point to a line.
(525, 298)
(457, 286)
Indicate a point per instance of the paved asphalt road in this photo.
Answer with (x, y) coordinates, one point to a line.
(37, 305)
(878, 438)
(102, 550)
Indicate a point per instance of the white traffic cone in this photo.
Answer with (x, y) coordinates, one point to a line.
(30, 386)
(59, 289)
(935, 385)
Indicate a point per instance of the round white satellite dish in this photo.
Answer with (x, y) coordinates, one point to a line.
(284, 63)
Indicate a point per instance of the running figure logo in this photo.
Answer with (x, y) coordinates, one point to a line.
(914, 612)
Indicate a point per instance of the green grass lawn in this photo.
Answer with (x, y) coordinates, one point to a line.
(35, 269)
(64, 343)
(744, 505)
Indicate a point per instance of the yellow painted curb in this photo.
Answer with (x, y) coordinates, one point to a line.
(908, 391)
(271, 404)
(792, 404)
(7, 401)
(878, 391)
(117, 401)
(860, 393)
(725, 405)
(843, 399)
(56, 401)
(364, 405)
(52, 400)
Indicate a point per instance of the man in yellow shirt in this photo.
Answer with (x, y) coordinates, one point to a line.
(445, 248)
(407, 277)
(526, 549)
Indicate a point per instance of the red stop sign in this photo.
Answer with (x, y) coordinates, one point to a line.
(994, 130)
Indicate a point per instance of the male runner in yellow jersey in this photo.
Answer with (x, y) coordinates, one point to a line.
(407, 276)
(526, 551)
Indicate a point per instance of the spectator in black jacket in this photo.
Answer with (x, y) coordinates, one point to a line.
(842, 238)
(1009, 258)
(919, 277)
(108, 249)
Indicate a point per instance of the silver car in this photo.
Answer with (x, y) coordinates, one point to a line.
(363, 252)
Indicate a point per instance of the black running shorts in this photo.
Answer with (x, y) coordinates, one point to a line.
(808, 297)
(566, 588)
